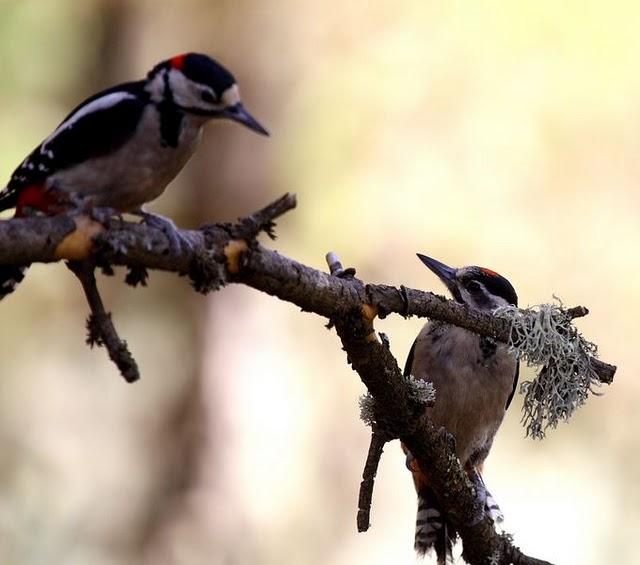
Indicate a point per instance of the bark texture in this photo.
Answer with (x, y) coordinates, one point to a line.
(229, 253)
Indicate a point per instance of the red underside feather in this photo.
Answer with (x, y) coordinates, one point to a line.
(37, 197)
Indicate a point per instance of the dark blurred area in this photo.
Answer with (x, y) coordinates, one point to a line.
(505, 136)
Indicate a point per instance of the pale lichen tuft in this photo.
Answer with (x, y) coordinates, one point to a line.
(420, 390)
(543, 336)
(367, 409)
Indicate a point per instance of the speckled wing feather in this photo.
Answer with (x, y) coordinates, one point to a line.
(97, 127)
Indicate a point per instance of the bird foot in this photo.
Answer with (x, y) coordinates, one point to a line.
(105, 216)
(478, 483)
(178, 242)
(482, 504)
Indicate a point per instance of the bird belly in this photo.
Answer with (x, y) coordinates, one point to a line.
(471, 390)
(134, 174)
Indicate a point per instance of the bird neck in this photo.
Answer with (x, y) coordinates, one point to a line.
(158, 87)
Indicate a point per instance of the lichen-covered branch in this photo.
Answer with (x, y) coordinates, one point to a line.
(214, 260)
(229, 253)
(399, 415)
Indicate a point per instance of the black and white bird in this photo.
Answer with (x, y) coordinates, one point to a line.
(120, 148)
(474, 379)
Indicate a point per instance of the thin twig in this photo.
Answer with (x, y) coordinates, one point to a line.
(577, 312)
(99, 324)
(333, 262)
(378, 437)
(378, 441)
(335, 266)
(250, 226)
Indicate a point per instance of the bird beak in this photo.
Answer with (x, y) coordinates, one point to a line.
(237, 113)
(446, 274)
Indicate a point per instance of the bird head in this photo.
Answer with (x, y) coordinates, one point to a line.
(478, 287)
(198, 85)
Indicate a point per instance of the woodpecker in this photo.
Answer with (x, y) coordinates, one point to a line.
(475, 379)
(121, 147)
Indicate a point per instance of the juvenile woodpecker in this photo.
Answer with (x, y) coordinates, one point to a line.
(121, 147)
(475, 379)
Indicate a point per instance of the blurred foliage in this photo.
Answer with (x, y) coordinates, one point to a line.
(497, 134)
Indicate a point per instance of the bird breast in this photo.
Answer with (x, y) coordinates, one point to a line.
(138, 171)
(472, 386)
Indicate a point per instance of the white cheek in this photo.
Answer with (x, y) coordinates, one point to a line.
(231, 96)
(470, 299)
(500, 302)
(466, 296)
(183, 92)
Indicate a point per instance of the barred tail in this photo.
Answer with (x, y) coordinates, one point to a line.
(491, 507)
(10, 277)
(433, 531)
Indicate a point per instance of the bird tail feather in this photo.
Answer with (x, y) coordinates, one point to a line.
(493, 510)
(433, 531)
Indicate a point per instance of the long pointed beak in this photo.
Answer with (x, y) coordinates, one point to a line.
(445, 273)
(239, 114)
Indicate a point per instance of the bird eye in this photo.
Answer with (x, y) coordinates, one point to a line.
(473, 286)
(207, 97)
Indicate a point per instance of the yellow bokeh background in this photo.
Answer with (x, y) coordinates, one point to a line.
(499, 134)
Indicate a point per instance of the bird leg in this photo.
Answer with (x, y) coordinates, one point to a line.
(178, 242)
(105, 216)
(484, 500)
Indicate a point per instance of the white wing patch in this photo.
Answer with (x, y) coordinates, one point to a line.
(102, 103)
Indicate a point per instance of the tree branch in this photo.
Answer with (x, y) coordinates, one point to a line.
(399, 416)
(214, 260)
(229, 253)
(100, 328)
(378, 441)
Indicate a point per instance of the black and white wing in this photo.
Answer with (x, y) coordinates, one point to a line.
(97, 127)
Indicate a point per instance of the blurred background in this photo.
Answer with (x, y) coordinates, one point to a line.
(499, 134)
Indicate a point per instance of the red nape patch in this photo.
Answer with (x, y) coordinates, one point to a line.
(37, 197)
(177, 62)
(489, 272)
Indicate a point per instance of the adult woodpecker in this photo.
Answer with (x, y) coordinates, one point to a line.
(121, 147)
(475, 379)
